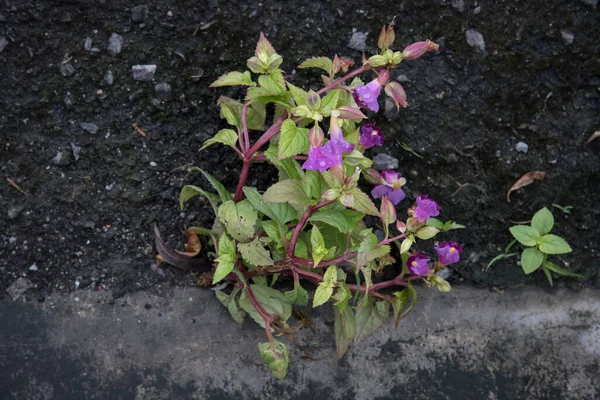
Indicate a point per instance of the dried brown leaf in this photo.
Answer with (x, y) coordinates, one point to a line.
(594, 136)
(525, 180)
(174, 258)
(193, 245)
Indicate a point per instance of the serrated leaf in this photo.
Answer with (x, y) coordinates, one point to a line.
(232, 306)
(226, 260)
(344, 329)
(363, 203)
(322, 294)
(239, 219)
(271, 228)
(233, 79)
(344, 220)
(329, 102)
(315, 183)
(436, 223)
(405, 295)
(271, 300)
(450, 225)
(298, 94)
(342, 294)
(531, 259)
(543, 221)
(287, 191)
(298, 296)
(276, 357)
(552, 244)
(189, 191)
(256, 114)
(270, 85)
(255, 253)
(223, 193)
(292, 140)
(560, 270)
(231, 111)
(225, 136)
(399, 301)
(282, 213)
(317, 244)
(323, 63)
(406, 245)
(330, 276)
(526, 235)
(370, 315)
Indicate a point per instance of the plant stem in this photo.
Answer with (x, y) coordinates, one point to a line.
(265, 315)
(245, 126)
(309, 211)
(239, 193)
(342, 79)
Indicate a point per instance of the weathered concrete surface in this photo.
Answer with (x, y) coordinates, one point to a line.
(468, 344)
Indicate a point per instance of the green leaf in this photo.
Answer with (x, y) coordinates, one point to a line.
(531, 259)
(269, 85)
(189, 191)
(329, 102)
(406, 245)
(342, 295)
(322, 294)
(255, 253)
(548, 274)
(436, 223)
(276, 357)
(231, 111)
(298, 296)
(298, 94)
(233, 79)
(232, 306)
(552, 244)
(323, 63)
(318, 245)
(223, 193)
(399, 301)
(238, 219)
(313, 180)
(363, 203)
(370, 315)
(226, 260)
(256, 114)
(226, 136)
(292, 140)
(330, 276)
(441, 284)
(287, 191)
(271, 228)
(282, 213)
(344, 220)
(450, 225)
(344, 328)
(526, 235)
(543, 221)
(560, 270)
(271, 300)
(427, 232)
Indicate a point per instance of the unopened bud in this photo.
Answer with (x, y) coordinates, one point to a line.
(316, 136)
(397, 94)
(387, 211)
(313, 100)
(373, 176)
(417, 49)
(386, 37)
(347, 200)
(383, 77)
(341, 63)
(331, 194)
(401, 226)
(347, 112)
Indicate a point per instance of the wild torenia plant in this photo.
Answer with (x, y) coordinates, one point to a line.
(310, 225)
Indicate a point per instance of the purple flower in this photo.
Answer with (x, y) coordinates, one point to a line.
(391, 188)
(448, 252)
(321, 159)
(418, 264)
(426, 208)
(371, 136)
(366, 96)
(337, 143)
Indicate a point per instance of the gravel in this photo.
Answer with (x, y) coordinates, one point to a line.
(459, 5)
(163, 91)
(3, 43)
(108, 79)
(143, 73)
(383, 161)
(522, 147)
(62, 158)
(475, 39)
(567, 36)
(19, 287)
(139, 13)
(67, 69)
(115, 43)
(89, 127)
(358, 41)
(87, 45)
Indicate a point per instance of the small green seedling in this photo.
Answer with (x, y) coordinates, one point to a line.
(506, 254)
(565, 209)
(540, 243)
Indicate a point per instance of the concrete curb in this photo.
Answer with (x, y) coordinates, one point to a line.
(467, 344)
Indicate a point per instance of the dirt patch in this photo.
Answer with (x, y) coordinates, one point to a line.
(94, 190)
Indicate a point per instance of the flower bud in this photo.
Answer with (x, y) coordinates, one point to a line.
(386, 37)
(347, 112)
(416, 50)
(341, 63)
(401, 226)
(383, 77)
(387, 211)
(313, 100)
(316, 136)
(373, 176)
(331, 194)
(347, 200)
(397, 93)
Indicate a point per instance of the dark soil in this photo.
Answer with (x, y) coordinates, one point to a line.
(87, 222)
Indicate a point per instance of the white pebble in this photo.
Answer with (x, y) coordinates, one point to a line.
(33, 267)
(522, 147)
(153, 164)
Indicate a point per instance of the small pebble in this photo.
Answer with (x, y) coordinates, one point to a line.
(358, 41)
(67, 69)
(383, 161)
(108, 78)
(89, 127)
(169, 13)
(522, 147)
(33, 267)
(87, 45)
(143, 73)
(115, 43)
(153, 164)
(12, 240)
(139, 13)
(567, 36)
(459, 5)
(475, 39)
